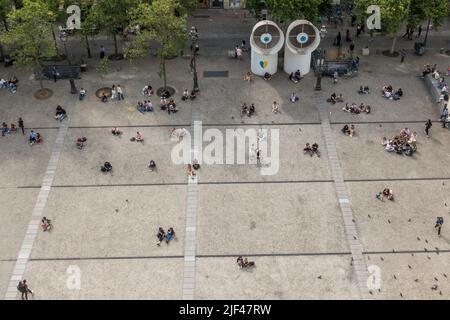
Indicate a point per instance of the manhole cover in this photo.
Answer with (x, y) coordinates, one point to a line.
(43, 94)
(105, 90)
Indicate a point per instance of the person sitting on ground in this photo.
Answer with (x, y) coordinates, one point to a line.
(346, 129)
(384, 141)
(163, 102)
(172, 107)
(388, 194)
(144, 91)
(308, 149)
(138, 137)
(389, 146)
(45, 223)
(195, 164)
(104, 97)
(294, 98)
(32, 137)
(340, 98)
(115, 131)
(244, 109)
(364, 90)
(82, 93)
(170, 235)
(191, 173)
(427, 70)
(80, 142)
(292, 78)
(185, 95)
(275, 107)
(60, 113)
(347, 108)
(3, 83)
(38, 137)
(251, 110)
(152, 165)
(161, 235)
(298, 75)
(332, 98)
(367, 109)
(267, 76)
(13, 128)
(148, 106)
(315, 149)
(248, 76)
(240, 262)
(351, 131)
(107, 167)
(140, 107)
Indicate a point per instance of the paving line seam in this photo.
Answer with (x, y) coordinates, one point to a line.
(343, 198)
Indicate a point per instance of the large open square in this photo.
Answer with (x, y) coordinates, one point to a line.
(314, 228)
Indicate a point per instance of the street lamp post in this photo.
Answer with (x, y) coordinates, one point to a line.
(319, 65)
(193, 34)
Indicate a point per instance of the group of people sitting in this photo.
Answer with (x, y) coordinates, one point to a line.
(354, 108)
(386, 193)
(311, 150)
(246, 110)
(335, 98)
(404, 143)
(161, 235)
(10, 84)
(295, 77)
(34, 137)
(116, 132)
(389, 93)
(349, 130)
(243, 263)
(7, 130)
(169, 105)
(147, 90)
(106, 167)
(189, 95)
(364, 90)
(79, 142)
(145, 106)
(60, 113)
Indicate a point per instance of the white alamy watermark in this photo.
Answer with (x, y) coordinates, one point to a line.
(374, 20)
(74, 20)
(237, 146)
(374, 279)
(74, 277)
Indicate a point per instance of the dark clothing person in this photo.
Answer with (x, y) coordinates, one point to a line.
(21, 126)
(338, 39)
(23, 289)
(428, 125)
(55, 73)
(439, 223)
(102, 52)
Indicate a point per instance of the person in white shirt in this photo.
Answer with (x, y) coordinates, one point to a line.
(275, 107)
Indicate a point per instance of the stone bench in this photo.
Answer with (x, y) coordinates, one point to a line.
(432, 85)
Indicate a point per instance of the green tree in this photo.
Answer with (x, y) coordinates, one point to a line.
(112, 17)
(5, 7)
(170, 32)
(393, 15)
(431, 10)
(29, 35)
(255, 7)
(289, 10)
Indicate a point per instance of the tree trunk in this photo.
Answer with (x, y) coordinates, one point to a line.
(116, 50)
(426, 34)
(54, 40)
(88, 48)
(5, 23)
(1, 53)
(394, 41)
(163, 71)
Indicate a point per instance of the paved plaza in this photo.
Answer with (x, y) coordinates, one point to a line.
(315, 229)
